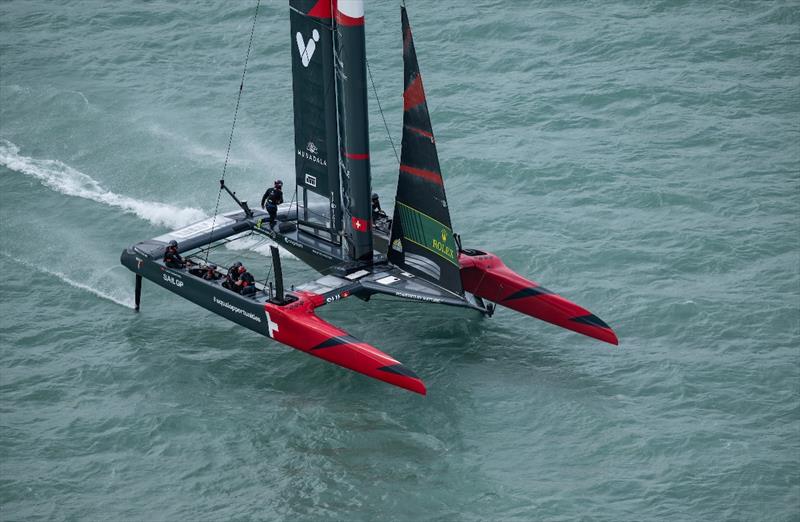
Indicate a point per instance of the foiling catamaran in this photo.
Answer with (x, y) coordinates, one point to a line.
(416, 256)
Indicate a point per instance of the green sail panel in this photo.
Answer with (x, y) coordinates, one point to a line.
(426, 232)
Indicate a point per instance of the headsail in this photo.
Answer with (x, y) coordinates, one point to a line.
(422, 237)
(315, 126)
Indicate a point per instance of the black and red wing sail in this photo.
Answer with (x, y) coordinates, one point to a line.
(351, 76)
(422, 236)
(486, 276)
(296, 325)
(316, 137)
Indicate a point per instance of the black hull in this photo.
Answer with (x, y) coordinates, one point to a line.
(211, 295)
(146, 260)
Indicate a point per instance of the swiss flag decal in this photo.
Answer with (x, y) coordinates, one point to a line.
(362, 225)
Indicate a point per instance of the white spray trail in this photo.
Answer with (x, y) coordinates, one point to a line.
(128, 303)
(62, 178)
(67, 180)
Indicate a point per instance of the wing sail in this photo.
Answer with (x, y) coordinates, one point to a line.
(316, 136)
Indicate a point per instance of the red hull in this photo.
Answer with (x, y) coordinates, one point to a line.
(296, 325)
(486, 276)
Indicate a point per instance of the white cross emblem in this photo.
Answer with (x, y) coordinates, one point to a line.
(272, 327)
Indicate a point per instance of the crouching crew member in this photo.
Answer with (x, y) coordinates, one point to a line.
(172, 258)
(209, 272)
(232, 277)
(271, 199)
(246, 282)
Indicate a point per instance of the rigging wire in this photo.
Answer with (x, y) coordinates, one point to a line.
(388, 134)
(235, 115)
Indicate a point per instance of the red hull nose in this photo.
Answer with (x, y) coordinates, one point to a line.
(486, 276)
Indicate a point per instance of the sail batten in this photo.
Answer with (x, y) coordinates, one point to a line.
(422, 239)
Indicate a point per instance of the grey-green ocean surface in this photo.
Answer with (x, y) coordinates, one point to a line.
(639, 158)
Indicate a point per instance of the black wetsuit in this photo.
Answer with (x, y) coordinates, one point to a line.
(231, 278)
(205, 273)
(270, 201)
(173, 259)
(211, 275)
(248, 286)
(377, 211)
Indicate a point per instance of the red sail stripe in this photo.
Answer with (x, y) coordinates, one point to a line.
(420, 132)
(414, 94)
(433, 177)
(322, 9)
(354, 156)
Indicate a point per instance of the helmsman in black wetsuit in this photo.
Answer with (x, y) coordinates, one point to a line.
(271, 199)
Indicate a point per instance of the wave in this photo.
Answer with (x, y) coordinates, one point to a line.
(128, 303)
(61, 177)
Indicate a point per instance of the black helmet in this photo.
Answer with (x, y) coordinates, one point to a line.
(374, 196)
(237, 264)
(173, 243)
(278, 183)
(212, 266)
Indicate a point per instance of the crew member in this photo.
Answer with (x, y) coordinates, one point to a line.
(246, 282)
(172, 258)
(232, 277)
(377, 211)
(271, 199)
(208, 272)
(211, 272)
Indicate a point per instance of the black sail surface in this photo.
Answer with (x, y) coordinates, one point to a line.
(353, 127)
(422, 237)
(315, 125)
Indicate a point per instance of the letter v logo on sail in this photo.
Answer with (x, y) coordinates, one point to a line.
(306, 49)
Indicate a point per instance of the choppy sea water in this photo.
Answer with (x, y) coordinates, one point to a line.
(642, 159)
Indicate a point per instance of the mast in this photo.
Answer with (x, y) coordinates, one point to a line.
(351, 76)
